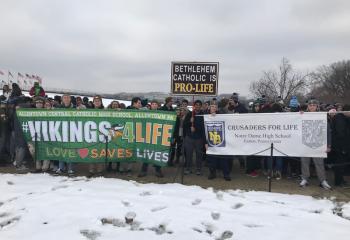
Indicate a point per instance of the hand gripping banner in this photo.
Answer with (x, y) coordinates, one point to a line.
(80, 135)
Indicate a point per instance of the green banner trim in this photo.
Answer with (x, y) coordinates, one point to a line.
(72, 135)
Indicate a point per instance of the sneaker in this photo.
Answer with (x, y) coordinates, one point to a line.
(253, 174)
(142, 174)
(278, 175)
(303, 183)
(59, 171)
(324, 184)
(227, 178)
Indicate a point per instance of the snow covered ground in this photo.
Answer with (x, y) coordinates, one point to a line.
(40, 206)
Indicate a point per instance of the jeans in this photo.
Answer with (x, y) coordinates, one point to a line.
(278, 163)
(61, 165)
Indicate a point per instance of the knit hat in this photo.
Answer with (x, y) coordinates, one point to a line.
(39, 99)
(313, 101)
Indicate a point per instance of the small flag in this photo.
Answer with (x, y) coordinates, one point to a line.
(27, 75)
(20, 75)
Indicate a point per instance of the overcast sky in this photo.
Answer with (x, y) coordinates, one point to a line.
(114, 46)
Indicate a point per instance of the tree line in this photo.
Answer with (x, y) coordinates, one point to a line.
(328, 83)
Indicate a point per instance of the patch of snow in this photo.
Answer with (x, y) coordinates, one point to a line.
(40, 206)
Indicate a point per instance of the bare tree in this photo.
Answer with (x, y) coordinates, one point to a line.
(332, 83)
(284, 83)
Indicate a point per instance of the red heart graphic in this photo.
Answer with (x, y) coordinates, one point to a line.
(83, 152)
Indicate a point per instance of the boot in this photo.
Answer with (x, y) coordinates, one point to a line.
(212, 174)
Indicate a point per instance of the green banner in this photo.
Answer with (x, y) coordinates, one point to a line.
(72, 135)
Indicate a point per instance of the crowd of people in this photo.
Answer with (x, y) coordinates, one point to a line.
(189, 140)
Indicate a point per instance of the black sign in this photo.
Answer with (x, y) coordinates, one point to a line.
(194, 78)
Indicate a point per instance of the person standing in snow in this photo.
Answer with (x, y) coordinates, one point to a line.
(66, 103)
(194, 138)
(313, 106)
(144, 168)
(340, 145)
(41, 166)
(217, 161)
(96, 168)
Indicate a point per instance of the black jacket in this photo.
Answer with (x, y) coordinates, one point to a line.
(198, 124)
(340, 133)
(240, 109)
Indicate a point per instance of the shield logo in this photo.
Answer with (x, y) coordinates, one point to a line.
(215, 133)
(314, 133)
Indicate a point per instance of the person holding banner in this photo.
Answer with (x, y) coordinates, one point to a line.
(217, 161)
(144, 168)
(126, 167)
(40, 166)
(96, 168)
(253, 163)
(66, 103)
(313, 106)
(194, 137)
(168, 106)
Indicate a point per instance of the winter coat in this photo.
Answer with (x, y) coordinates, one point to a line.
(240, 109)
(198, 124)
(340, 133)
(37, 92)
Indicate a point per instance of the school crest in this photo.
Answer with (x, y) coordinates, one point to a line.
(215, 133)
(314, 133)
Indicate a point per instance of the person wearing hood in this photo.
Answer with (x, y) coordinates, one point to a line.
(16, 94)
(37, 90)
(294, 104)
(235, 105)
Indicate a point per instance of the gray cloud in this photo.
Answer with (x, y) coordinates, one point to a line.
(114, 46)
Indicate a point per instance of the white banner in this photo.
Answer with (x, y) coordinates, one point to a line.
(292, 134)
